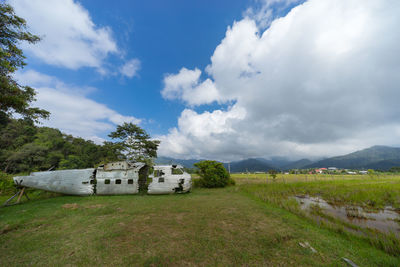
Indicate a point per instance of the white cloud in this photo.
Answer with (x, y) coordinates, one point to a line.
(70, 37)
(201, 133)
(71, 110)
(187, 87)
(320, 81)
(130, 68)
(268, 11)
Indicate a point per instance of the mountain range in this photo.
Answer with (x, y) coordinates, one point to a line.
(376, 157)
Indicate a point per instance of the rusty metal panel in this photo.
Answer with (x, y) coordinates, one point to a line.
(71, 182)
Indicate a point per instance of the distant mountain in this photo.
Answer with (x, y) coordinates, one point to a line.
(376, 157)
(384, 165)
(187, 163)
(251, 165)
(298, 164)
(276, 162)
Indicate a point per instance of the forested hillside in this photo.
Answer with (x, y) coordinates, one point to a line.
(376, 157)
(25, 147)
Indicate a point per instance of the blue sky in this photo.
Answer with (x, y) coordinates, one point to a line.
(163, 36)
(220, 79)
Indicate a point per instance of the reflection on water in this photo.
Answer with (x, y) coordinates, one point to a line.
(385, 220)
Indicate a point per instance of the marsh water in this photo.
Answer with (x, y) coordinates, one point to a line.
(385, 220)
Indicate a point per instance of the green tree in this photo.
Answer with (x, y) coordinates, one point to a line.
(72, 162)
(26, 158)
(371, 172)
(213, 174)
(111, 152)
(14, 97)
(273, 174)
(135, 142)
(394, 169)
(25, 147)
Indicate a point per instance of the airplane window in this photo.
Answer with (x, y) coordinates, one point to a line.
(158, 173)
(107, 181)
(130, 181)
(118, 181)
(176, 171)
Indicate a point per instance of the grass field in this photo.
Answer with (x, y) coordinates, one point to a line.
(230, 226)
(363, 190)
(370, 193)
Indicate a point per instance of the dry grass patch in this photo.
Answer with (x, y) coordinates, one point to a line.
(72, 206)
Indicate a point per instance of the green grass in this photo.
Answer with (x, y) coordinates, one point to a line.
(362, 190)
(224, 227)
(372, 193)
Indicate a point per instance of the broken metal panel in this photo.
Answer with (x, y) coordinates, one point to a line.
(118, 178)
(164, 181)
(71, 182)
(122, 165)
(117, 182)
(115, 178)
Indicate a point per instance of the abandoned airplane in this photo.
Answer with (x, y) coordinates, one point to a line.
(115, 178)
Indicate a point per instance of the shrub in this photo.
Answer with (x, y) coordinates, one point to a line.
(6, 183)
(197, 182)
(273, 174)
(212, 174)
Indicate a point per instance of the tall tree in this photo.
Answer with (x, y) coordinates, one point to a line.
(136, 143)
(14, 97)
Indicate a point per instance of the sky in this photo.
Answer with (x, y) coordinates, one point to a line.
(224, 80)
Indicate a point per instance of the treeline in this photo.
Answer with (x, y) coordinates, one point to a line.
(25, 147)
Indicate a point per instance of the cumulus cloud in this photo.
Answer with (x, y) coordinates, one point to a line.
(199, 134)
(69, 36)
(320, 81)
(268, 10)
(71, 110)
(130, 68)
(186, 86)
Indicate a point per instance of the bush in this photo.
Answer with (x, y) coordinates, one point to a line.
(273, 174)
(197, 182)
(212, 174)
(6, 183)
